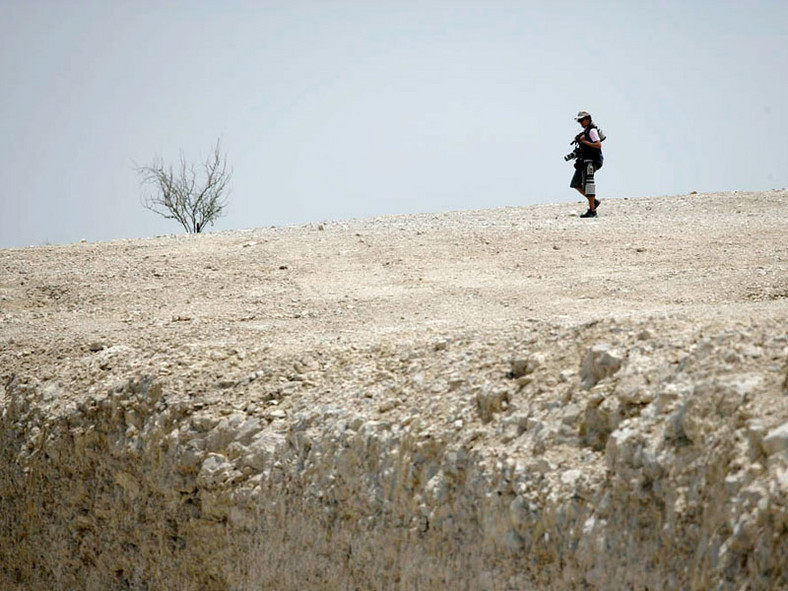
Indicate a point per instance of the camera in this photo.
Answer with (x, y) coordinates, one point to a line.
(574, 153)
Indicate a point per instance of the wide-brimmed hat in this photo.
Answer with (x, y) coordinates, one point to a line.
(582, 115)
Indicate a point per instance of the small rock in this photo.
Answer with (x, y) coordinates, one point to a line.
(522, 366)
(570, 477)
(634, 389)
(490, 401)
(542, 466)
(571, 414)
(600, 362)
(455, 383)
(388, 405)
(263, 449)
(566, 375)
(776, 440)
(755, 431)
(215, 470)
(518, 367)
(96, 346)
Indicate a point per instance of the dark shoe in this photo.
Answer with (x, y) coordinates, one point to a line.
(589, 214)
(596, 203)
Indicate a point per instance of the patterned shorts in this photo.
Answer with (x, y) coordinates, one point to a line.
(584, 178)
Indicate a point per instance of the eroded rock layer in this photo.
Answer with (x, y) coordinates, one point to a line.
(634, 447)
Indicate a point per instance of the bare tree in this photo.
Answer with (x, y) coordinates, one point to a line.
(195, 200)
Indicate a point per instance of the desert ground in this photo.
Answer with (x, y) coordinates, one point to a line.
(511, 398)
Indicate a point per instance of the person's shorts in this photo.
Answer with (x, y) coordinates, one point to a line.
(584, 178)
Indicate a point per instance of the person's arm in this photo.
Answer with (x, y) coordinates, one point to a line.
(594, 139)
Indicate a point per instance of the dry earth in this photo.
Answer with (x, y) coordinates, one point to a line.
(501, 399)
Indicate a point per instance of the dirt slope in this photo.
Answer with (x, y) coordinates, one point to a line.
(494, 399)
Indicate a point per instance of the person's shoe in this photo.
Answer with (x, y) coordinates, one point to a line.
(589, 214)
(596, 203)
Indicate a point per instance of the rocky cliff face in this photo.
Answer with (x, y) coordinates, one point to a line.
(392, 404)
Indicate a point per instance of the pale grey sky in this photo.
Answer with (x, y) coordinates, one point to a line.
(337, 109)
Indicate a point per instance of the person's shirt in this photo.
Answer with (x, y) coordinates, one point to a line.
(593, 135)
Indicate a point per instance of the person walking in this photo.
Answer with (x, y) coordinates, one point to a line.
(589, 160)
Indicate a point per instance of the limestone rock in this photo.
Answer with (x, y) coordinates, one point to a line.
(523, 366)
(216, 470)
(776, 440)
(490, 401)
(600, 362)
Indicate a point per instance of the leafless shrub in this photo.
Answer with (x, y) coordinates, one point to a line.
(193, 196)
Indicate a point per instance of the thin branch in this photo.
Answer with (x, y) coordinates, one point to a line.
(184, 197)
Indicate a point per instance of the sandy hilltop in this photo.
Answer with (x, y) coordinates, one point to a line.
(508, 399)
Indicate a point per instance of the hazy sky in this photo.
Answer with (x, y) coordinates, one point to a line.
(336, 109)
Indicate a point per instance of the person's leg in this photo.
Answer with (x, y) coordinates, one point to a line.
(578, 181)
(592, 201)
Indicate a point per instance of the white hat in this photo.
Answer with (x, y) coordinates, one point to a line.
(582, 115)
